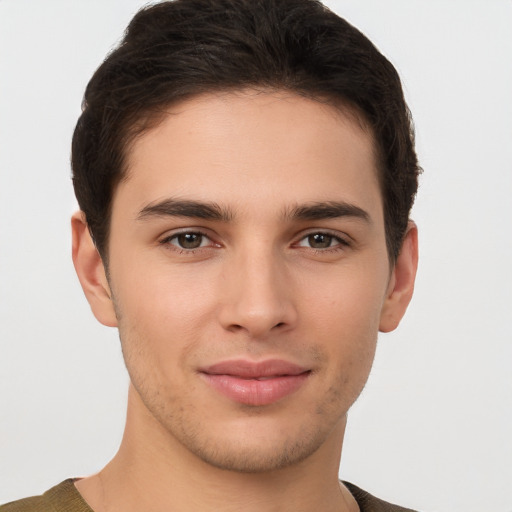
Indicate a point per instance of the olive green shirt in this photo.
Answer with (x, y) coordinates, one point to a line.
(65, 498)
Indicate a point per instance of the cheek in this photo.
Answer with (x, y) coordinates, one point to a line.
(157, 295)
(348, 302)
(344, 319)
(160, 318)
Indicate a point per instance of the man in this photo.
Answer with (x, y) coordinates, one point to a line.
(245, 172)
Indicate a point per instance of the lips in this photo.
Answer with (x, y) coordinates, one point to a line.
(255, 384)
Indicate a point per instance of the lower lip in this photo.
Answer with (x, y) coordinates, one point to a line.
(256, 392)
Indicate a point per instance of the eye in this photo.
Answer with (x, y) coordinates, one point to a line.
(321, 241)
(188, 240)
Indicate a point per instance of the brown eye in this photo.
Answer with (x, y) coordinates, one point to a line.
(188, 240)
(320, 241)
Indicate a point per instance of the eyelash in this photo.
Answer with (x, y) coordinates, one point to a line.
(167, 241)
(341, 243)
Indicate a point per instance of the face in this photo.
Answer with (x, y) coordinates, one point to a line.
(248, 269)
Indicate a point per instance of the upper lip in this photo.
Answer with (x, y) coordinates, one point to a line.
(253, 370)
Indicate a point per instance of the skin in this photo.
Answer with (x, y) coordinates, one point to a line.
(264, 283)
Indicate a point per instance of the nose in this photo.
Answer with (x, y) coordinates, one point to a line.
(257, 295)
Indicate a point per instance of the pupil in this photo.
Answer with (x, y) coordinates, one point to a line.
(319, 241)
(190, 240)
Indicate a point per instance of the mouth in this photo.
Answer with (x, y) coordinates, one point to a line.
(255, 383)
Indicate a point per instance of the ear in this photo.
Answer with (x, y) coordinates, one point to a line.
(91, 272)
(401, 283)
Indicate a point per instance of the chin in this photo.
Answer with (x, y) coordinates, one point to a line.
(257, 457)
(256, 445)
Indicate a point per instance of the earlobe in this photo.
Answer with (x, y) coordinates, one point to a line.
(91, 272)
(401, 285)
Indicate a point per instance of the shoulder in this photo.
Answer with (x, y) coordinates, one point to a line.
(61, 498)
(33, 503)
(369, 503)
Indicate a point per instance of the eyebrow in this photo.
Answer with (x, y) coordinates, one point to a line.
(212, 211)
(185, 208)
(327, 210)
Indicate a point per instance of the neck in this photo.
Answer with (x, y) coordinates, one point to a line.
(152, 470)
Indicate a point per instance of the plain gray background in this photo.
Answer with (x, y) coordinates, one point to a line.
(433, 428)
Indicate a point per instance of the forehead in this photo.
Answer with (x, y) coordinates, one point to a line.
(239, 148)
